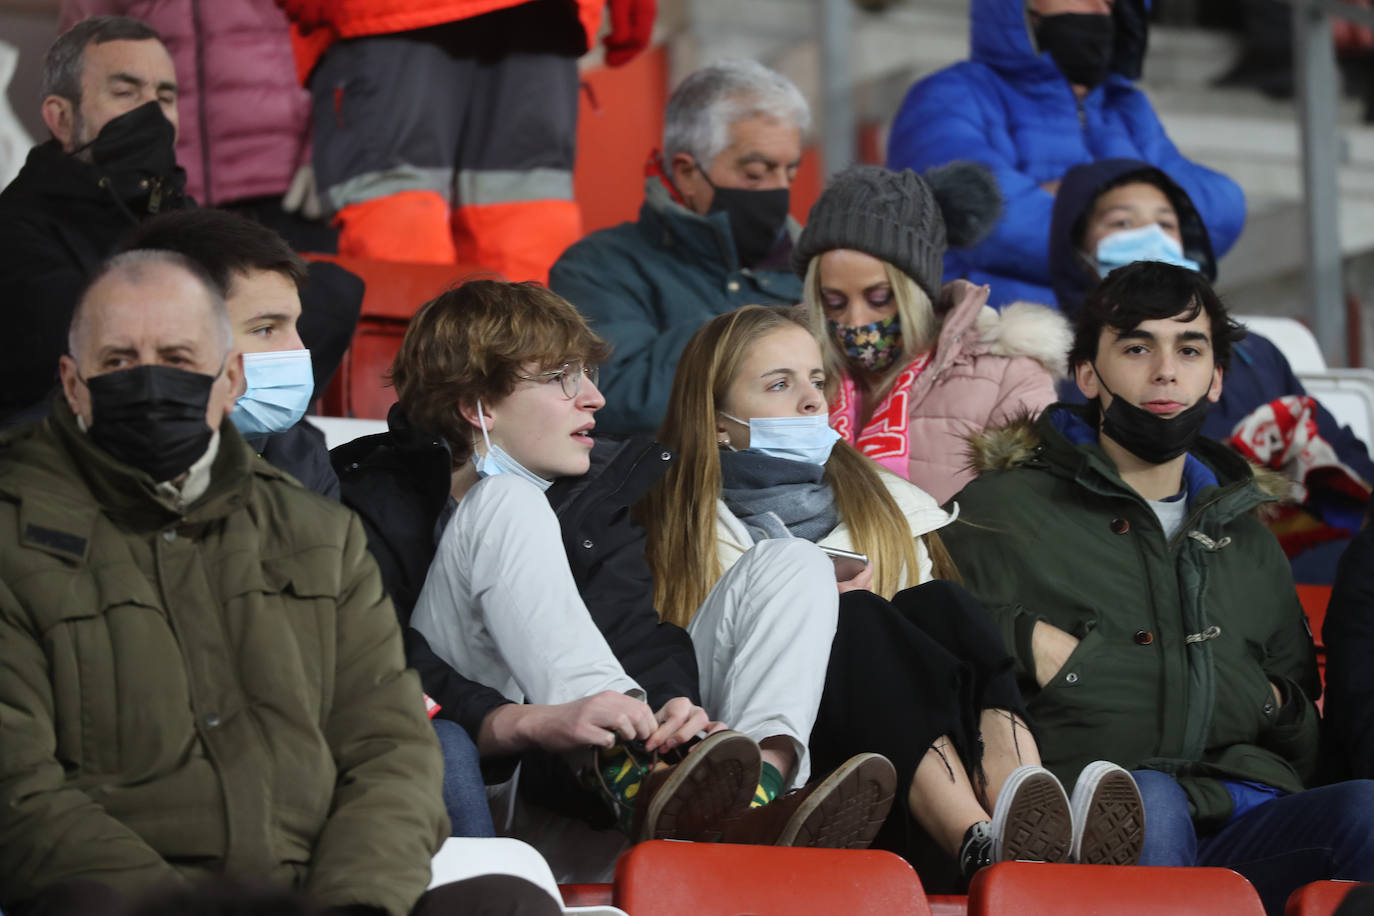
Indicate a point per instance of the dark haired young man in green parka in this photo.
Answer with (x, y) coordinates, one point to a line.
(1152, 615)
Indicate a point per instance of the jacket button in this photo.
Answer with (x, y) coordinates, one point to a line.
(588, 544)
(1120, 526)
(210, 720)
(1071, 677)
(667, 456)
(1268, 709)
(169, 535)
(733, 286)
(1144, 637)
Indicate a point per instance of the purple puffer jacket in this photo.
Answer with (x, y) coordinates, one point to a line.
(245, 120)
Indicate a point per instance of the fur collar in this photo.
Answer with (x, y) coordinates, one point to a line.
(1026, 329)
(1011, 445)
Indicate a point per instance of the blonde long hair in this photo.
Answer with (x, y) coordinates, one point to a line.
(680, 511)
(920, 330)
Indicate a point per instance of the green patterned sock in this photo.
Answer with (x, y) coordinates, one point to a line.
(770, 786)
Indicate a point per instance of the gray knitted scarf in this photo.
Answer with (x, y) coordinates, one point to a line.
(778, 498)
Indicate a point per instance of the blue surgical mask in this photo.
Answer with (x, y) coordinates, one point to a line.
(806, 439)
(1148, 243)
(498, 461)
(280, 385)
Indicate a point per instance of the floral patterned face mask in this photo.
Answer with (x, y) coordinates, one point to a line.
(874, 346)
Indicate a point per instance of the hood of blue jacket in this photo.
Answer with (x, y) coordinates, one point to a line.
(1000, 37)
(1073, 279)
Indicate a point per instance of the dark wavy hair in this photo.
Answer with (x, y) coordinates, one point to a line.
(1148, 290)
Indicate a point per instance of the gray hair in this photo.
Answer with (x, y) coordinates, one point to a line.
(702, 108)
(63, 63)
(135, 265)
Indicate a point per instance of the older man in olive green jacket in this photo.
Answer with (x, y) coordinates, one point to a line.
(199, 669)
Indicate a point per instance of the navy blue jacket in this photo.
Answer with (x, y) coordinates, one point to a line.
(1011, 109)
(1259, 373)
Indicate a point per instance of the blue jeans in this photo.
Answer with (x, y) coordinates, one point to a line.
(465, 796)
(1279, 846)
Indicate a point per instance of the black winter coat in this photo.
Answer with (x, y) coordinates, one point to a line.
(398, 482)
(59, 219)
(1348, 634)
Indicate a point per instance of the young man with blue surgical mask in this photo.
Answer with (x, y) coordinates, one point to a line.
(261, 277)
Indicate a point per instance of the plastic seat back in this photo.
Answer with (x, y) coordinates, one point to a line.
(1320, 898)
(668, 878)
(393, 292)
(1040, 889)
(1294, 339)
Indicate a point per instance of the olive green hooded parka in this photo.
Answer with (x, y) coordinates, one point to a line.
(1180, 639)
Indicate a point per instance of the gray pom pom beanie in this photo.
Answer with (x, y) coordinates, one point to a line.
(898, 217)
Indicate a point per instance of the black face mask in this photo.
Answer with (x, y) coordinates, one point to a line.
(136, 154)
(756, 218)
(1148, 436)
(1080, 44)
(151, 417)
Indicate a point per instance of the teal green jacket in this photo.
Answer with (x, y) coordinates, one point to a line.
(1180, 638)
(646, 287)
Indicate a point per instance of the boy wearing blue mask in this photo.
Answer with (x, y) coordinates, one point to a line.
(261, 277)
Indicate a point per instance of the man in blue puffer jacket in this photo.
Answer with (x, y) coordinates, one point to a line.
(1048, 87)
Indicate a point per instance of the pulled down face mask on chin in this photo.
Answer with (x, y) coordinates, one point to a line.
(1149, 436)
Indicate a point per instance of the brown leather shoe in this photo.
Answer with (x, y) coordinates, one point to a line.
(693, 799)
(843, 811)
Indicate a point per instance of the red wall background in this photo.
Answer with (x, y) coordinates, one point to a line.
(614, 138)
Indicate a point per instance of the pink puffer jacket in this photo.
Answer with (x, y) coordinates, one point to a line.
(988, 366)
(245, 120)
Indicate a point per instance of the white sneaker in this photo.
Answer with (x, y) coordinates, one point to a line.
(1032, 821)
(1108, 816)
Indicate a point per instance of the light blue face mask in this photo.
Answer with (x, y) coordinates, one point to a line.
(498, 461)
(279, 387)
(1148, 243)
(806, 439)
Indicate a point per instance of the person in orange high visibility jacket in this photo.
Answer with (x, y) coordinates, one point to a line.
(445, 130)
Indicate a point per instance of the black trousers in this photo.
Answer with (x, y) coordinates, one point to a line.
(902, 673)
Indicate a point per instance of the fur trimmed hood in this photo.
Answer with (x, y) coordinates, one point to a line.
(1011, 445)
(1027, 329)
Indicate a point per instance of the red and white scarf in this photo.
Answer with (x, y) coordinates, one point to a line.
(886, 439)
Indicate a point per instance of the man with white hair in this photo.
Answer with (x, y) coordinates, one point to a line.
(713, 234)
(199, 669)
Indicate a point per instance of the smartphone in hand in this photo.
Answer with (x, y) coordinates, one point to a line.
(848, 564)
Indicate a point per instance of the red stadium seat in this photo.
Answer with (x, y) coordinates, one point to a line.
(586, 894)
(394, 292)
(667, 878)
(1314, 599)
(1320, 898)
(1039, 889)
(948, 905)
